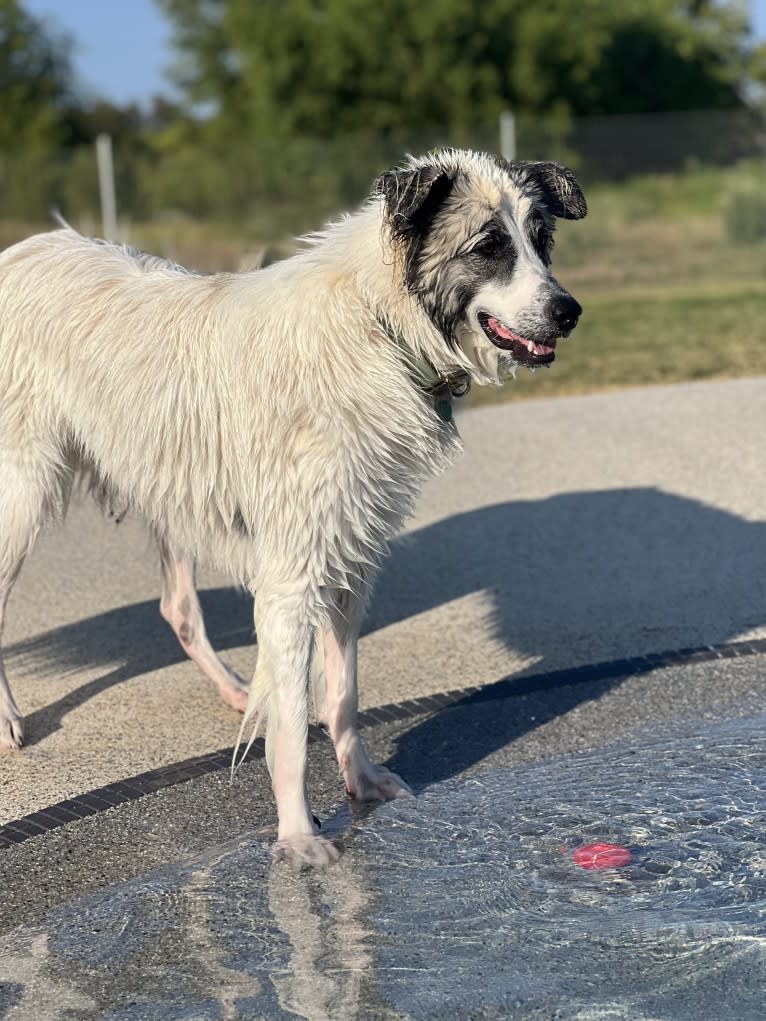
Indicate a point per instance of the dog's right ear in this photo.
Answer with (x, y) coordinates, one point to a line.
(412, 198)
(562, 193)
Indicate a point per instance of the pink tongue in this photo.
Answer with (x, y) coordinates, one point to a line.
(502, 330)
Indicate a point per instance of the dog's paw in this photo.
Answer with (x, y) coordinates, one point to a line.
(376, 783)
(306, 850)
(11, 731)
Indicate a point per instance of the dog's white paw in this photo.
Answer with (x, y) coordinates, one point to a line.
(376, 783)
(303, 849)
(11, 731)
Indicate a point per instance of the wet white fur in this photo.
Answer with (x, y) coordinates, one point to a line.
(263, 422)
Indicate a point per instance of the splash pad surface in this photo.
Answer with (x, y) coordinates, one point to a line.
(467, 896)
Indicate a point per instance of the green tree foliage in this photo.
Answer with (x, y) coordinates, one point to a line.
(35, 81)
(290, 107)
(35, 96)
(328, 67)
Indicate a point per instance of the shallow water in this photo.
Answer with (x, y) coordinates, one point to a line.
(463, 903)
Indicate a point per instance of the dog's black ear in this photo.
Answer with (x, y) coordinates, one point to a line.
(561, 192)
(413, 196)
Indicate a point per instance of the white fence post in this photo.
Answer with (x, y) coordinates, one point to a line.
(507, 135)
(106, 187)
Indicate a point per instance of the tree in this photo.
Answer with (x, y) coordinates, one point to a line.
(329, 67)
(35, 81)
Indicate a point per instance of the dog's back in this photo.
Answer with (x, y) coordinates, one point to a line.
(100, 364)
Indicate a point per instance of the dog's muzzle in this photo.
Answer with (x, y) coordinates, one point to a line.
(562, 315)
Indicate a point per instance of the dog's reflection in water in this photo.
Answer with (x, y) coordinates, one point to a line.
(324, 915)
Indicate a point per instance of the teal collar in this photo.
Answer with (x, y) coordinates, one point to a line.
(439, 389)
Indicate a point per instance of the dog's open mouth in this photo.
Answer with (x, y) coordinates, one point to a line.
(525, 352)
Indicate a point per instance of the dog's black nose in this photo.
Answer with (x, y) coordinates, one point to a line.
(566, 311)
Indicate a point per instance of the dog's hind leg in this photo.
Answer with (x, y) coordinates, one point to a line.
(280, 686)
(180, 607)
(364, 780)
(22, 510)
(11, 721)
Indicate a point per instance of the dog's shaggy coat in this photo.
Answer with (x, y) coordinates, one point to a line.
(277, 424)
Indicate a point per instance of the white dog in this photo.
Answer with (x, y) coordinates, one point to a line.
(277, 424)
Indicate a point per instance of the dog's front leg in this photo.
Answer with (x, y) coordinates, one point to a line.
(281, 683)
(364, 780)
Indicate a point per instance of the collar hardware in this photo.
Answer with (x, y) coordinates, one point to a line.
(438, 388)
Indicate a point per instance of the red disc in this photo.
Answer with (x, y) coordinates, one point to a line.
(601, 856)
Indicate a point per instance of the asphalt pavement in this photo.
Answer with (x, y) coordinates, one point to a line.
(572, 531)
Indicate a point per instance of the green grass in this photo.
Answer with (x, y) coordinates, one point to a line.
(696, 192)
(635, 341)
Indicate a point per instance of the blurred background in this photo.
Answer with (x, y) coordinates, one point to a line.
(237, 124)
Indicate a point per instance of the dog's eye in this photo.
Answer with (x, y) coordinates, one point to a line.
(491, 245)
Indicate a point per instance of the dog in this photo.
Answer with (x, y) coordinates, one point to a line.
(279, 423)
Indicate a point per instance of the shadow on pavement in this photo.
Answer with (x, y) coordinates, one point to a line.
(455, 739)
(614, 562)
(638, 566)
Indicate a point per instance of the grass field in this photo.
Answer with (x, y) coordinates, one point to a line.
(631, 341)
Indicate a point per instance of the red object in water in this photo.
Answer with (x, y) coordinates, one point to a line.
(601, 856)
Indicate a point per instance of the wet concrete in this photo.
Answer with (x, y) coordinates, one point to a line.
(479, 733)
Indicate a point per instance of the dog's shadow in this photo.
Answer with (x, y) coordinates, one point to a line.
(644, 569)
(611, 563)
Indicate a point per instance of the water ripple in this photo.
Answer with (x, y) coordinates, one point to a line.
(463, 903)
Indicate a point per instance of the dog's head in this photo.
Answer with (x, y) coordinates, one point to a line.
(475, 233)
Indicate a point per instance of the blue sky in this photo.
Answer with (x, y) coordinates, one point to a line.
(122, 46)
